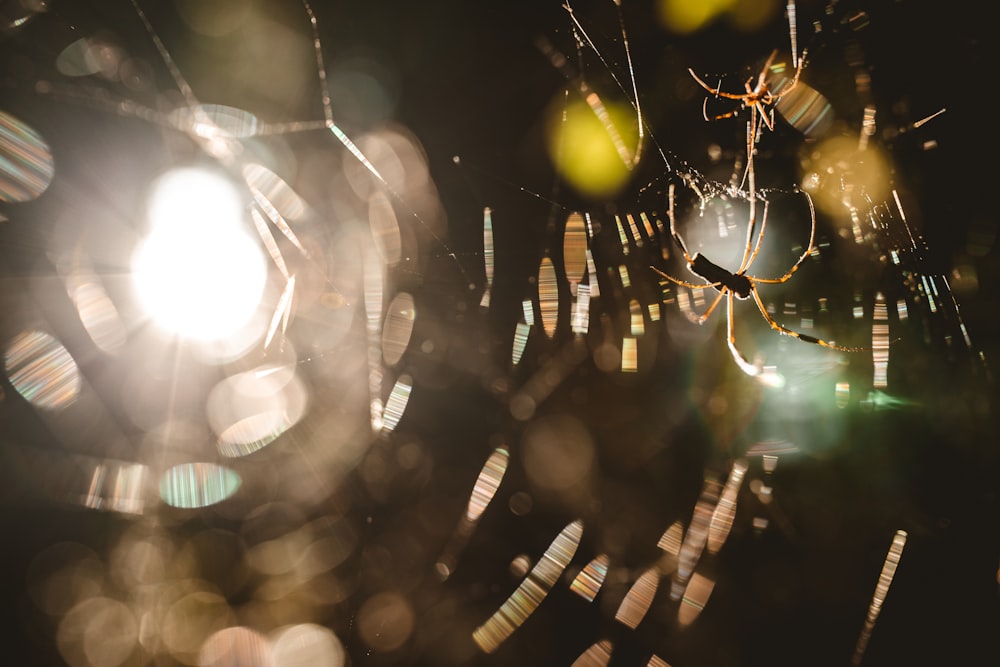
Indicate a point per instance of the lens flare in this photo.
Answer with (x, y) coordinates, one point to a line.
(198, 273)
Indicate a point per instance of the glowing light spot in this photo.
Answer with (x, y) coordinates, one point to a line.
(695, 539)
(584, 153)
(587, 584)
(520, 565)
(548, 296)
(488, 258)
(840, 176)
(215, 19)
(483, 492)
(17, 14)
(804, 108)
(575, 249)
(630, 355)
(98, 631)
(581, 310)
(116, 486)
(687, 16)
(90, 55)
(623, 237)
(42, 370)
(395, 406)
(671, 540)
(530, 593)
(271, 189)
(635, 318)
(216, 121)
(750, 16)
(521, 333)
(624, 276)
(249, 410)
(235, 647)
(62, 575)
(26, 165)
(198, 273)
(487, 483)
(192, 485)
(191, 620)
(386, 621)
(725, 511)
(880, 343)
(398, 328)
(843, 394)
(529, 312)
(598, 655)
(96, 310)
(308, 645)
(638, 599)
(696, 595)
(885, 578)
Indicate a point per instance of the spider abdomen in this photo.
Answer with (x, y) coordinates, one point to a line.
(737, 283)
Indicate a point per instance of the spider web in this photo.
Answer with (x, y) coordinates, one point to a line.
(638, 495)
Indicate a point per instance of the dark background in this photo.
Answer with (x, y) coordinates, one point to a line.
(470, 81)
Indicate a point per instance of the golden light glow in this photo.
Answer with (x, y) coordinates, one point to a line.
(583, 152)
(839, 175)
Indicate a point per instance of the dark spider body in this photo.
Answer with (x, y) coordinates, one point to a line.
(741, 285)
(719, 277)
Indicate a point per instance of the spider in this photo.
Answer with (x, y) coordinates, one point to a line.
(740, 284)
(759, 99)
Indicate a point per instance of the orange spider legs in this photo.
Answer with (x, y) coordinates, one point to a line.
(760, 99)
(741, 285)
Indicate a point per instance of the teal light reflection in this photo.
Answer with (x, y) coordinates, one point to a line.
(193, 485)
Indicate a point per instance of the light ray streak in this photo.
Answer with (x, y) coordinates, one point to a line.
(487, 484)
(529, 594)
(275, 217)
(630, 355)
(395, 406)
(575, 250)
(639, 598)
(725, 511)
(488, 258)
(267, 238)
(548, 296)
(881, 590)
(373, 278)
(927, 119)
(281, 312)
(521, 333)
(792, 33)
(880, 343)
(696, 595)
(587, 584)
(598, 655)
(623, 237)
(695, 539)
(581, 310)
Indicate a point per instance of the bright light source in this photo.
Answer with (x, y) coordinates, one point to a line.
(198, 273)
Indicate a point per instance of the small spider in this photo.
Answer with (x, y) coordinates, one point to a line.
(741, 285)
(759, 99)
